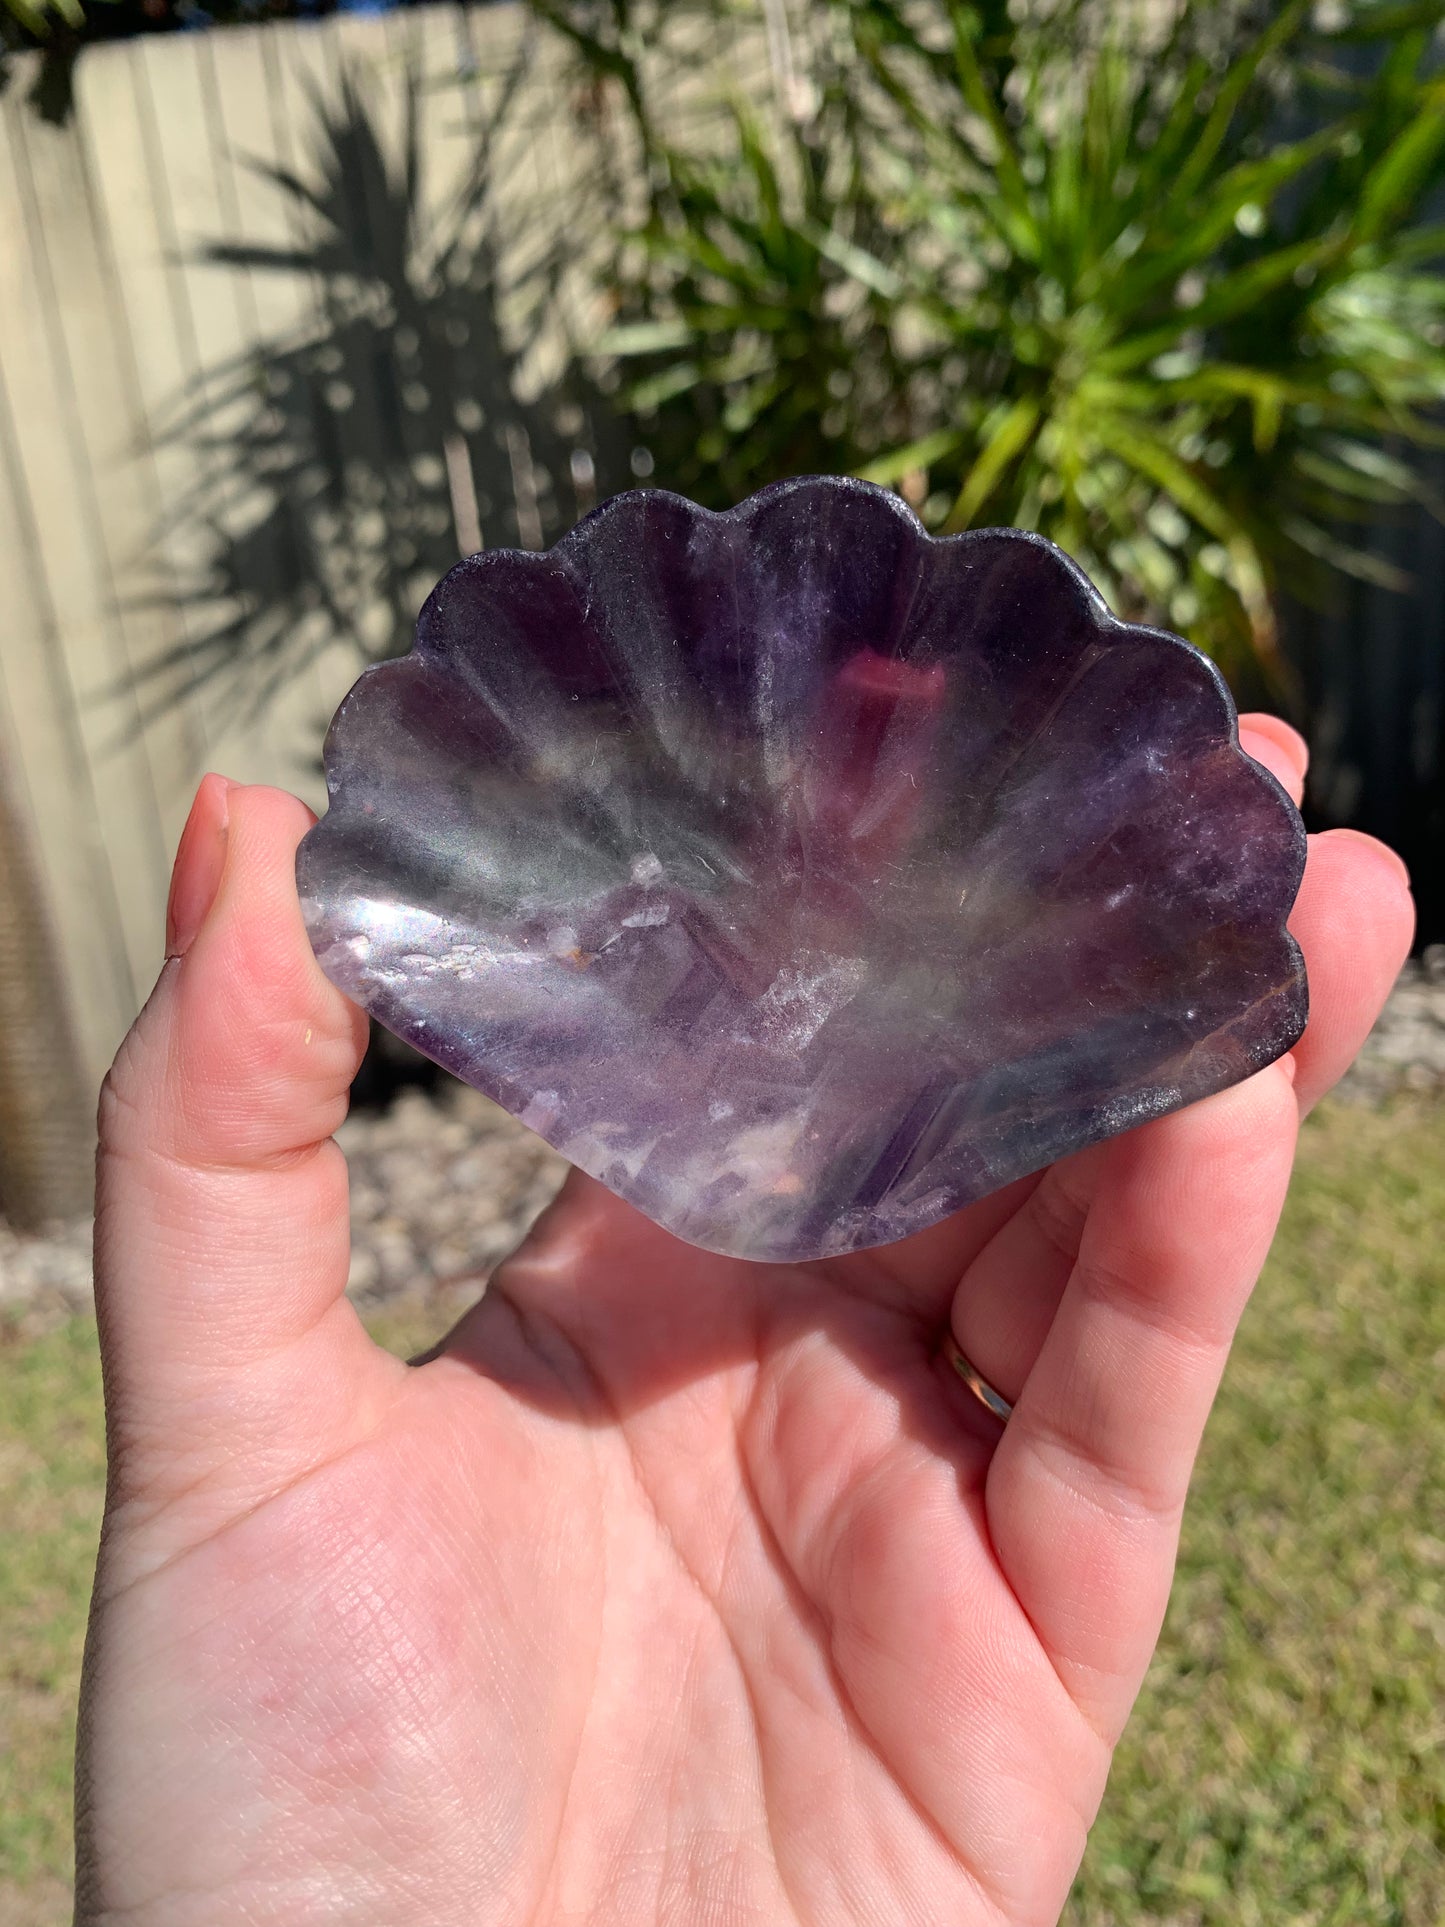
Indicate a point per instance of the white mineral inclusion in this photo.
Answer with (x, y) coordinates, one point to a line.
(608, 1150)
(799, 1001)
(541, 1113)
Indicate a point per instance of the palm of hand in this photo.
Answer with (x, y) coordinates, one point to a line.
(672, 1588)
(690, 1615)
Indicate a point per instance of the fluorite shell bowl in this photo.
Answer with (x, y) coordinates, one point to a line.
(800, 876)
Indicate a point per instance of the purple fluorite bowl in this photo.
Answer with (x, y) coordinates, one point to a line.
(800, 876)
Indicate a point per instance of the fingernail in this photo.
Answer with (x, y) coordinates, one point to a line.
(1380, 852)
(200, 861)
(1283, 735)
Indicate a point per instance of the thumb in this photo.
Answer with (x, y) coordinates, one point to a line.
(231, 1354)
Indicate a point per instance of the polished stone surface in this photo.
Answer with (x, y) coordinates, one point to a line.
(798, 875)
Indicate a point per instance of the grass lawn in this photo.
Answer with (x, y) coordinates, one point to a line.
(1286, 1764)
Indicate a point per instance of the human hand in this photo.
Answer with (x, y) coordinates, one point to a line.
(670, 1586)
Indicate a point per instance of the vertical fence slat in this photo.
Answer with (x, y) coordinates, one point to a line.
(251, 131)
(219, 320)
(296, 73)
(97, 423)
(50, 788)
(155, 607)
(54, 467)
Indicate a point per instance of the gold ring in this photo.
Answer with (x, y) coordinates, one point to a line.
(974, 1379)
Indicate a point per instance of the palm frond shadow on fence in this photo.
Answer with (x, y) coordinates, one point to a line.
(345, 466)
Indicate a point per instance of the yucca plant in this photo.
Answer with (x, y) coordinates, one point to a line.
(759, 354)
(1163, 295)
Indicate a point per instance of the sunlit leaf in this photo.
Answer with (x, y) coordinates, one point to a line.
(858, 263)
(645, 337)
(1003, 443)
(1404, 168)
(912, 456)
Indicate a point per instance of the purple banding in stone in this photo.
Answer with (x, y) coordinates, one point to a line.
(799, 875)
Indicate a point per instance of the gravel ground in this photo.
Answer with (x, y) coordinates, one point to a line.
(443, 1184)
(1406, 1049)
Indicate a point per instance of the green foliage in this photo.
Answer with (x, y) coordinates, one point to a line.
(35, 15)
(735, 345)
(1162, 294)
(52, 1483)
